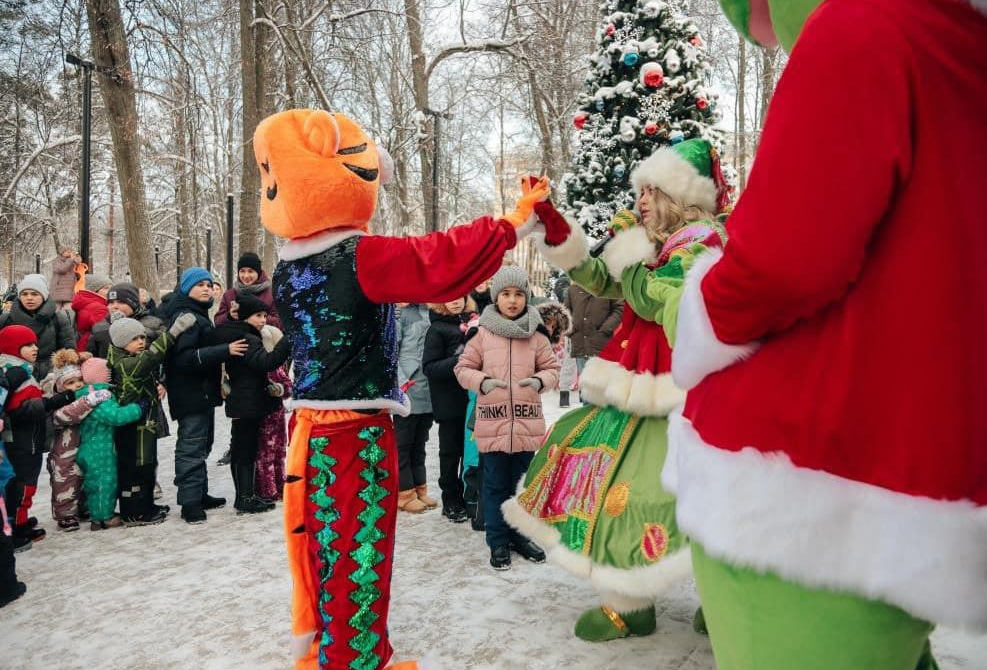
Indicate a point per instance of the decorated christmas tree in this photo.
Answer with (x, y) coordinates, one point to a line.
(647, 87)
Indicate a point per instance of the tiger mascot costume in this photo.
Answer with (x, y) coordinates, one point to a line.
(334, 288)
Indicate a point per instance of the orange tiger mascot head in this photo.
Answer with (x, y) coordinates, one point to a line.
(318, 172)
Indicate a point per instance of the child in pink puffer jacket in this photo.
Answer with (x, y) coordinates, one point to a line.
(509, 363)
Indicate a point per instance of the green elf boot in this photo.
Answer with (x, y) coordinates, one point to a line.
(602, 624)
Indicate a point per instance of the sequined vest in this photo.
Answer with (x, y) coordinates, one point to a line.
(344, 346)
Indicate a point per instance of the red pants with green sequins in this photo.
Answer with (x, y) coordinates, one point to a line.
(348, 513)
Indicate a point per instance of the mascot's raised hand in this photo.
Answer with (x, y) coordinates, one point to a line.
(533, 191)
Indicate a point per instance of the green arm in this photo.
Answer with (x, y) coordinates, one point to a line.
(148, 360)
(593, 276)
(112, 413)
(664, 289)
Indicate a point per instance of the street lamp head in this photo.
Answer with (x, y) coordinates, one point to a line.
(73, 59)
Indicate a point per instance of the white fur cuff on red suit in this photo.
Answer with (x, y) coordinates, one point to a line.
(571, 253)
(627, 248)
(759, 510)
(698, 352)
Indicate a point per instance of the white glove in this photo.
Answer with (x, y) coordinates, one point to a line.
(182, 323)
(531, 381)
(94, 398)
(488, 385)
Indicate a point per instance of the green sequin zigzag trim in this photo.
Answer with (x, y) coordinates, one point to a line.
(366, 555)
(326, 513)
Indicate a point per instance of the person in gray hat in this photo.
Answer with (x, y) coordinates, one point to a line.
(134, 370)
(36, 309)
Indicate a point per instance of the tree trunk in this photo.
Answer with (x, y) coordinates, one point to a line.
(396, 98)
(252, 87)
(420, 90)
(769, 56)
(742, 113)
(270, 253)
(116, 81)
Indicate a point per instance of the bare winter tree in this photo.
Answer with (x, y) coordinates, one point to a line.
(116, 82)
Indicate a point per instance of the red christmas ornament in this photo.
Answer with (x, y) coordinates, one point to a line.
(702, 103)
(580, 120)
(651, 128)
(696, 41)
(611, 29)
(654, 79)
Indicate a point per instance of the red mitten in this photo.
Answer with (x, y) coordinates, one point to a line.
(556, 227)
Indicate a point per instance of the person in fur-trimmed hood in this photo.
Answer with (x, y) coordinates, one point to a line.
(558, 323)
(592, 496)
(509, 363)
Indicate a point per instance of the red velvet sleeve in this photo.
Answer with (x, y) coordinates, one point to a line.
(432, 268)
(836, 145)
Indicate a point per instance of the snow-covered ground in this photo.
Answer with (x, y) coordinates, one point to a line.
(216, 596)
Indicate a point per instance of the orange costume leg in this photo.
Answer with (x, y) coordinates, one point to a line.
(340, 512)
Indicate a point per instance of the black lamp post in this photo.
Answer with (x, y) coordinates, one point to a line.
(86, 66)
(435, 162)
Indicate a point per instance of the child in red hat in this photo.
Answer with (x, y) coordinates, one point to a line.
(24, 437)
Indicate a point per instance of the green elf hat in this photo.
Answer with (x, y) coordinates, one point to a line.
(769, 22)
(689, 172)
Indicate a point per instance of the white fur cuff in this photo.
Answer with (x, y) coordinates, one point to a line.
(627, 248)
(641, 393)
(759, 510)
(571, 253)
(698, 352)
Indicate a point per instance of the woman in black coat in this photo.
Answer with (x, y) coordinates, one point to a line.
(251, 397)
(444, 341)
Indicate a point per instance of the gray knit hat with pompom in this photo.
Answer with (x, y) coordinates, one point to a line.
(509, 275)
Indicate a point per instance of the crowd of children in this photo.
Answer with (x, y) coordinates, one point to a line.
(85, 384)
(84, 381)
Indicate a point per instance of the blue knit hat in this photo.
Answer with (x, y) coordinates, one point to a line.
(191, 277)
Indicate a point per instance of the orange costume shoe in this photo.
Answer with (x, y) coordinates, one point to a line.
(334, 288)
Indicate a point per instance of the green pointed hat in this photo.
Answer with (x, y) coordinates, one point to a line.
(689, 172)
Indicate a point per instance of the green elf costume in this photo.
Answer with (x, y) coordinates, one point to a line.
(829, 461)
(591, 495)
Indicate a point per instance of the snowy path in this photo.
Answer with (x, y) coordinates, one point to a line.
(216, 596)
